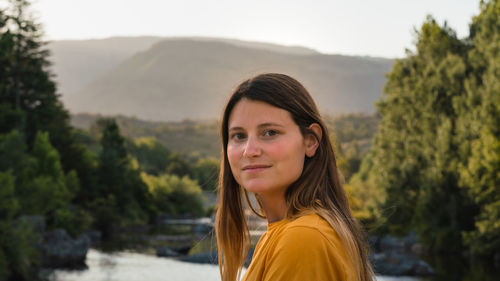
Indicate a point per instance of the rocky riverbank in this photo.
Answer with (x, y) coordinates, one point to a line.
(399, 256)
(57, 248)
(389, 256)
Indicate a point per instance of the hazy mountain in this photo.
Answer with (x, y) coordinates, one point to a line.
(191, 78)
(293, 50)
(78, 62)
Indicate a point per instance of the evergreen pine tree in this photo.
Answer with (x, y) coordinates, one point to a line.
(480, 130)
(28, 98)
(118, 180)
(414, 155)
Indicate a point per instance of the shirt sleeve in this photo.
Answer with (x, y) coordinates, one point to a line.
(304, 253)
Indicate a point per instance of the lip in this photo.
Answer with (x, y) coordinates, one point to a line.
(255, 168)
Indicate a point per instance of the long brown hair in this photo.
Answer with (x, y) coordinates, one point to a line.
(319, 188)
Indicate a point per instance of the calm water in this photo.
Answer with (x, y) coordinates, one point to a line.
(127, 266)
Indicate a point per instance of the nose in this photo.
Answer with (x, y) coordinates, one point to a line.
(252, 148)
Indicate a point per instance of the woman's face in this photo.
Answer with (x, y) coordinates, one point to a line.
(265, 149)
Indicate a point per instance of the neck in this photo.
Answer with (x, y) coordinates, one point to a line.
(274, 206)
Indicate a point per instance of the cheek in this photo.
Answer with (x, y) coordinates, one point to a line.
(233, 157)
(232, 154)
(290, 155)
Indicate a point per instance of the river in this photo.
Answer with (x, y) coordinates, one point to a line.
(129, 266)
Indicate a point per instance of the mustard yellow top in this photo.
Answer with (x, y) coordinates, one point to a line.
(306, 248)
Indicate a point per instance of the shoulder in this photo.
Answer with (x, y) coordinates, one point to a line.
(310, 229)
(312, 220)
(308, 248)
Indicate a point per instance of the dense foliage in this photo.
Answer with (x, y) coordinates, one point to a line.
(75, 180)
(35, 145)
(434, 164)
(175, 195)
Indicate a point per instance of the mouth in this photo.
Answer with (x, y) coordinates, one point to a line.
(255, 168)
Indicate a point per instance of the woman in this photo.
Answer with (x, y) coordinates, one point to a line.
(276, 146)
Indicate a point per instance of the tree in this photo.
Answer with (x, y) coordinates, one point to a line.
(113, 160)
(151, 154)
(480, 130)
(178, 166)
(28, 98)
(8, 202)
(436, 156)
(174, 195)
(19, 259)
(206, 173)
(118, 179)
(414, 157)
(45, 193)
(26, 83)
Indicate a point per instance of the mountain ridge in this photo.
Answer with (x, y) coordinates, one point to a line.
(176, 79)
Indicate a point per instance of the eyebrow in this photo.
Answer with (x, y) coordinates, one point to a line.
(269, 124)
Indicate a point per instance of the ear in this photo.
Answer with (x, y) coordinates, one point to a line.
(311, 142)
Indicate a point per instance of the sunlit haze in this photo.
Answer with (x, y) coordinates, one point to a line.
(355, 27)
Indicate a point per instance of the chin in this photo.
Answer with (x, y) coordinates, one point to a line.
(262, 188)
(257, 187)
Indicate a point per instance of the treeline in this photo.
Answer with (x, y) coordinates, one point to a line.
(352, 134)
(77, 180)
(152, 156)
(434, 164)
(185, 137)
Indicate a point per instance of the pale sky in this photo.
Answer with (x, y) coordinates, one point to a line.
(350, 27)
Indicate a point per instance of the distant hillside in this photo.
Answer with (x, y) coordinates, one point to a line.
(177, 79)
(292, 50)
(185, 136)
(76, 63)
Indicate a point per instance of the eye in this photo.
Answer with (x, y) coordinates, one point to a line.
(237, 136)
(270, 133)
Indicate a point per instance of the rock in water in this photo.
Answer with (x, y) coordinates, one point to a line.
(398, 256)
(59, 250)
(166, 252)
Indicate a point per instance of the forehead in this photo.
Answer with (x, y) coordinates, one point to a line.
(248, 113)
